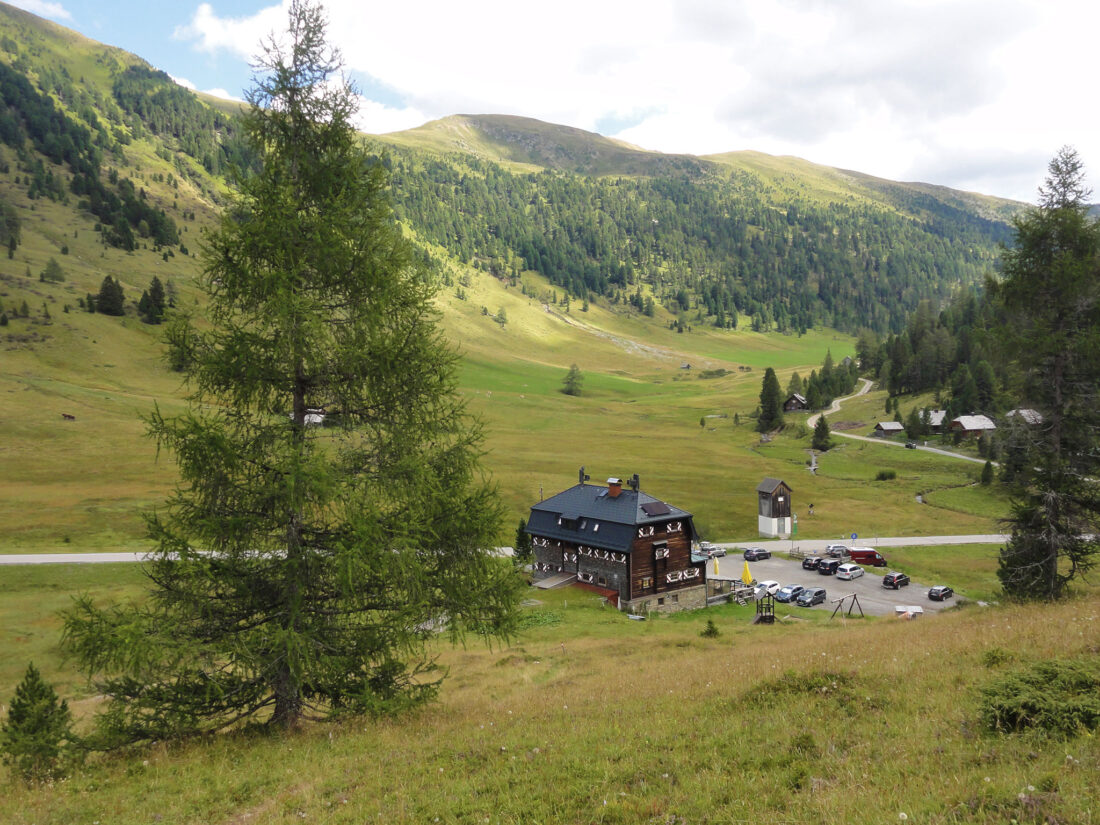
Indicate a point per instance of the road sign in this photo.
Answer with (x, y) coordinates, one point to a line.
(854, 536)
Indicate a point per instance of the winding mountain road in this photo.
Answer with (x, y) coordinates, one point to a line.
(812, 421)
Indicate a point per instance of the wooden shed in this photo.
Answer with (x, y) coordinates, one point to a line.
(774, 503)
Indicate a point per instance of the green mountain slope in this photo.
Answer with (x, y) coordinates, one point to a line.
(551, 246)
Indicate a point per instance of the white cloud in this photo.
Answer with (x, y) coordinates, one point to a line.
(378, 119)
(238, 35)
(958, 92)
(53, 11)
(183, 81)
(223, 94)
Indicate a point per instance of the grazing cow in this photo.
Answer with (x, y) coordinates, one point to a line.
(68, 417)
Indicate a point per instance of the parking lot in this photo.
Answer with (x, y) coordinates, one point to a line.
(873, 597)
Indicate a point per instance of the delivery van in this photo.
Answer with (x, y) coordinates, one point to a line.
(864, 555)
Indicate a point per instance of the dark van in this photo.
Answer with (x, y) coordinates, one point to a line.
(828, 567)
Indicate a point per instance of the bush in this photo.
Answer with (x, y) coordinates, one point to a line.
(886, 475)
(711, 631)
(1060, 696)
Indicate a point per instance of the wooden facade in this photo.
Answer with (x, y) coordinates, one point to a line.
(621, 540)
(774, 509)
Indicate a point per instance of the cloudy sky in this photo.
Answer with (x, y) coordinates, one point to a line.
(973, 94)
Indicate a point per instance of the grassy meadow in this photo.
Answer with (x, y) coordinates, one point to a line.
(590, 717)
(82, 485)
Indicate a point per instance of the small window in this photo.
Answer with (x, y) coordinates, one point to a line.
(660, 602)
(602, 580)
(675, 598)
(647, 582)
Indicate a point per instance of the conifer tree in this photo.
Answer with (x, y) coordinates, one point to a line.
(298, 571)
(37, 732)
(573, 381)
(110, 300)
(821, 440)
(771, 404)
(1050, 297)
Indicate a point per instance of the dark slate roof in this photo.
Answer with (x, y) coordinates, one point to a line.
(768, 485)
(608, 523)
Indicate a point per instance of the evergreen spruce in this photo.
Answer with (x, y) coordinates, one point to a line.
(36, 735)
(524, 549)
(771, 404)
(821, 440)
(298, 571)
(110, 300)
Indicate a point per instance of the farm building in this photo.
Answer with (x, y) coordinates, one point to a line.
(1032, 417)
(623, 543)
(884, 429)
(935, 419)
(972, 425)
(795, 402)
(774, 507)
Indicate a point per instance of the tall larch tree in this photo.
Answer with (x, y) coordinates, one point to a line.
(1050, 297)
(299, 570)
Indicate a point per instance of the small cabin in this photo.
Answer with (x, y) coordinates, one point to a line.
(774, 507)
(795, 402)
(620, 542)
(885, 429)
(1032, 418)
(972, 425)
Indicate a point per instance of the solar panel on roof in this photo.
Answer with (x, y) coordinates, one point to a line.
(656, 508)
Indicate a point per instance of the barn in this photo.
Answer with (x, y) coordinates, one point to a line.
(621, 542)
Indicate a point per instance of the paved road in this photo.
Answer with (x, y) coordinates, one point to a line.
(775, 545)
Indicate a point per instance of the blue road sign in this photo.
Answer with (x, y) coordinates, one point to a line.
(854, 537)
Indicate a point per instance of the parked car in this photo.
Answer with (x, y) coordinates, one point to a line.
(910, 445)
(811, 562)
(895, 580)
(769, 586)
(865, 555)
(940, 592)
(836, 551)
(828, 567)
(711, 550)
(810, 596)
(788, 593)
(847, 572)
(757, 553)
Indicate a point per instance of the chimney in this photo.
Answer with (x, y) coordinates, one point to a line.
(614, 487)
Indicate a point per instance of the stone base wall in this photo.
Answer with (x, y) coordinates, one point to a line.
(687, 598)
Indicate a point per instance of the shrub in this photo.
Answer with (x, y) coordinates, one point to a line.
(1059, 696)
(711, 631)
(995, 656)
(886, 475)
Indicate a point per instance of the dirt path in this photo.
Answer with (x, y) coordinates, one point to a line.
(812, 420)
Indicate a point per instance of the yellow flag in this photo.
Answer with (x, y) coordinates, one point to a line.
(746, 576)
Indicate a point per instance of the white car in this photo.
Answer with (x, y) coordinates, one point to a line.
(849, 571)
(767, 587)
